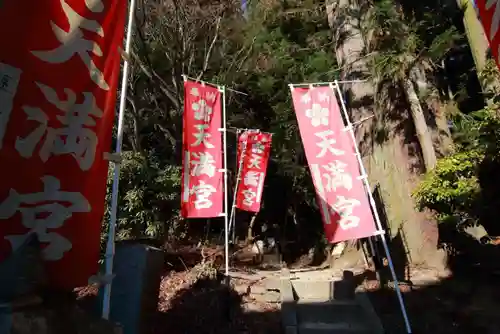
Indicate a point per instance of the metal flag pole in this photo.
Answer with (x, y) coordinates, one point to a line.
(325, 83)
(213, 84)
(110, 247)
(244, 8)
(232, 220)
(238, 177)
(373, 205)
(222, 89)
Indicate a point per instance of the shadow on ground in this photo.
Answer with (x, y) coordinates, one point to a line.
(460, 304)
(463, 304)
(210, 306)
(467, 302)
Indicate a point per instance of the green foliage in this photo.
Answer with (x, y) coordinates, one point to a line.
(291, 43)
(280, 43)
(452, 186)
(478, 130)
(149, 197)
(401, 41)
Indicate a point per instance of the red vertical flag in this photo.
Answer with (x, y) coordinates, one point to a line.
(59, 68)
(489, 14)
(334, 167)
(254, 149)
(202, 191)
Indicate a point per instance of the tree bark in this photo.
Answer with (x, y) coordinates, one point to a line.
(386, 152)
(441, 134)
(479, 45)
(421, 127)
(478, 42)
(250, 228)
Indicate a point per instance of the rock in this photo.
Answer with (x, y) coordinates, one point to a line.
(252, 307)
(268, 297)
(241, 289)
(272, 284)
(258, 289)
(338, 249)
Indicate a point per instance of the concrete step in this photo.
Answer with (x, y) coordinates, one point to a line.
(309, 289)
(332, 328)
(322, 289)
(331, 312)
(326, 306)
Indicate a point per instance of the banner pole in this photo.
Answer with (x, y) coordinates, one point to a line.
(110, 246)
(374, 208)
(232, 217)
(226, 216)
(212, 84)
(232, 226)
(325, 83)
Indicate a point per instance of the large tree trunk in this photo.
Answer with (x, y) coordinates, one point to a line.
(388, 156)
(475, 34)
(479, 45)
(421, 127)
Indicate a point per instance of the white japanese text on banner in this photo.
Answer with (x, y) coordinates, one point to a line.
(332, 160)
(202, 191)
(256, 148)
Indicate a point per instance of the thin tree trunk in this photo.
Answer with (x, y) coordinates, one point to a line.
(441, 134)
(137, 136)
(250, 227)
(421, 127)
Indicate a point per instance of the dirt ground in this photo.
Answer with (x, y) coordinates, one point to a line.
(193, 301)
(462, 304)
(195, 298)
(209, 306)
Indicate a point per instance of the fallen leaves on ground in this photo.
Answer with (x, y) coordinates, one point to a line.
(439, 305)
(189, 303)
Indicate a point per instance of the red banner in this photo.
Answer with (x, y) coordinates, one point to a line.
(202, 191)
(256, 148)
(489, 13)
(59, 71)
(334, 167)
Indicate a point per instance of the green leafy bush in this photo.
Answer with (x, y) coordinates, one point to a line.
(452, 187)
(457, 185)
(148, 201)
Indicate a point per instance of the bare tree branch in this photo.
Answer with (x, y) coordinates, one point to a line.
(209, 52)
(152, 75)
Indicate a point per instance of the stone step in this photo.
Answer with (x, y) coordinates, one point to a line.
(333, 302)
(317, 289)
(332, 312)
(325, 306)
(323, 289)
(332, 328)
